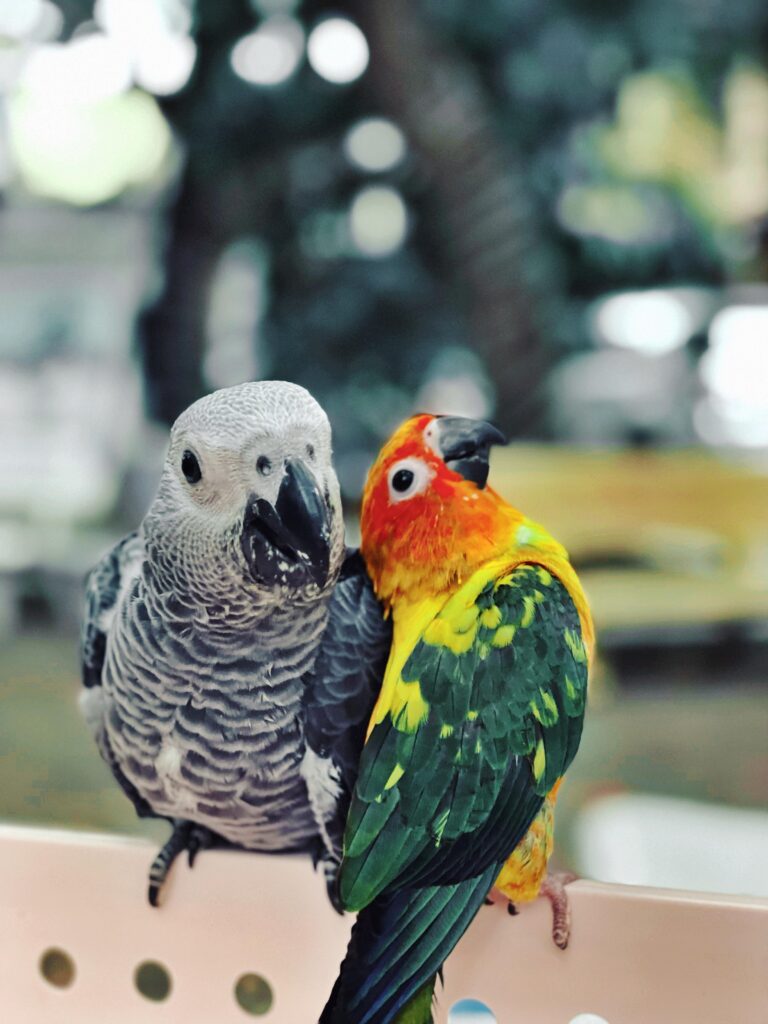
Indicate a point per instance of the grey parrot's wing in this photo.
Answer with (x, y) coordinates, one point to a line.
(102, 588)
(339, 695)
(103, 585)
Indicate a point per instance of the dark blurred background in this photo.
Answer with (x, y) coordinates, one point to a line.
(552, 213)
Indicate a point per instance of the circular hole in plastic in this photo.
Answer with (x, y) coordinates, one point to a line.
(470, 1011)
(254, 994)
(587, 1018)
(57, 967)
(152, 980)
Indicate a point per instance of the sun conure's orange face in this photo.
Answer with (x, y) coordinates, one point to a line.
(428, 518)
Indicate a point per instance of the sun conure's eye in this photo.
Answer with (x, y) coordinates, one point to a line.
(408, 478)
(402, 480)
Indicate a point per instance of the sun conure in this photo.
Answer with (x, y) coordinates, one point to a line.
(479, 715)
(525, 875)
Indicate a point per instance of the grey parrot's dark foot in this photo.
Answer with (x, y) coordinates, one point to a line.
(512, 909)
(185, 836)
(200, 838)
(329, 865)
(332, 888)
(488, 901)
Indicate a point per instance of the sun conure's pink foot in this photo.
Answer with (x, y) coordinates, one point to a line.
(553, 887)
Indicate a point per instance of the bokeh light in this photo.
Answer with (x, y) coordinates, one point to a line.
(736, 366)
(338, 50)
(18, 18)
(49, 25)
(735, 373)
(271, 54)
(456, 385)
(155, 40)
(84, 71)
(653, 322)
(134, 20)
(375, 144)
(164, 66)
(87, 153)
(378, 220)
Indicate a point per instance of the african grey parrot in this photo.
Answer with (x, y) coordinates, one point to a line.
(232, 650)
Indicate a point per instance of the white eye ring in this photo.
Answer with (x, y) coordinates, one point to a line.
(408, 478)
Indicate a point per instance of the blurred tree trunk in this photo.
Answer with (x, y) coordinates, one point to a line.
(172, 329)
(479, 200)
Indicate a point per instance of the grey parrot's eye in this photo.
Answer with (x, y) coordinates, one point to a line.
(402, 480)
(264, 465)
(311, 452)
(190, 467)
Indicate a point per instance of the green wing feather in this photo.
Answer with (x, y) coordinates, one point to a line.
(503, 671)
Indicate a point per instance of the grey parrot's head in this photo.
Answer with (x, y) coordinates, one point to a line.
(248, 506)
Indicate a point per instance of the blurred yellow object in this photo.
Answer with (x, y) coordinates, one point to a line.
(663, 129)
(661, 538)
(666, 131)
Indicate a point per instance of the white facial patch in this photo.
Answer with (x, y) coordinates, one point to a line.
(407, 478)
(432, 437)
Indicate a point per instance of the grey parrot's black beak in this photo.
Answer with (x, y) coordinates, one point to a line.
(289, 542)
(465, 446)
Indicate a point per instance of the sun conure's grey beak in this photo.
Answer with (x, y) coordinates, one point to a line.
(465, 446)
(289, 542)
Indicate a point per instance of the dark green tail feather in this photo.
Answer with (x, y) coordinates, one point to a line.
(398, 944)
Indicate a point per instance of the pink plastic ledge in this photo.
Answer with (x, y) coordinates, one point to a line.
(637, 956)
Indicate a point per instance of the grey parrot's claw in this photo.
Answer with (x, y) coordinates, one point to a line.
(200, 838)
(332, 887)
(185, 836)
(488, 902)
(330, 866)
(161, 865)
(512, 909)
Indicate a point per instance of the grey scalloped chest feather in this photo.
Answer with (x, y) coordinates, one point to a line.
(204, 719)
